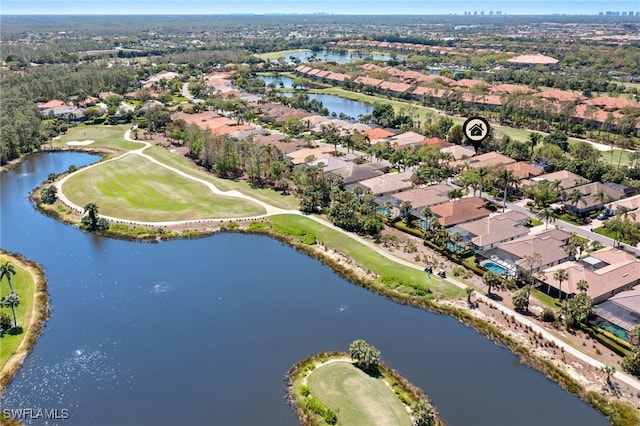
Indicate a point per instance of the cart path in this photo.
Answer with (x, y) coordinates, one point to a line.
(272, 210)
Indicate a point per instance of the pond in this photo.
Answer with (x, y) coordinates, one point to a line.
(340, 58)
(280, 81)
(337, 105)
(203, 331)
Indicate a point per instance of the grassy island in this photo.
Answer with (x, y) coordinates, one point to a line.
(28, 282)
(344, 388)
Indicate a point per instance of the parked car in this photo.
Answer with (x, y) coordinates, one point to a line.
(602, 216)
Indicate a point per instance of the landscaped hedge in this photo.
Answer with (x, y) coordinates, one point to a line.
(475, 268)
(404, 228)
(607, 339)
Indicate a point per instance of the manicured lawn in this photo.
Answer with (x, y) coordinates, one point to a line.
(366, 257)
(263, 194)
(613, 157)
(104, 136)
(356, 397)
(280, 54)
(544, 298)
(134, 188)
(23, 285)
(421, 112)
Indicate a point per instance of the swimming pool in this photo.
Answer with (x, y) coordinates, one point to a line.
(494, 267)
(613, 329)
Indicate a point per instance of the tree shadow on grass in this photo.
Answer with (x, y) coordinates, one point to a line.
(14, 331)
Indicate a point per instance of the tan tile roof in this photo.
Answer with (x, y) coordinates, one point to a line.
(560, 95)
(388, 183)
(51, 104)
(425, 196)
(536, 59)
(460, 211)
(298, 157)
(620, 270)
(611, 103)
(567, 179)
(498, 228)
(458, 152)
(489, 159)
(406, 138)
(548, 244)
(523, 170)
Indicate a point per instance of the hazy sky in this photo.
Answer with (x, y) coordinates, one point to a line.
(425, 7)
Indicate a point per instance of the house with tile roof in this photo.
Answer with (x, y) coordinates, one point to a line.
(591, 197)
(623, 309)
(388, 183)
(607, 271)
(566, 179)
(488, 232)
(460, 211)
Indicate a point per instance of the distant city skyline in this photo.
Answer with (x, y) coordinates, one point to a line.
(357, 7)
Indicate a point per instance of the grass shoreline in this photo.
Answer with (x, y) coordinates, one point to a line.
(620, 414)
(40, 312)
(405, 391)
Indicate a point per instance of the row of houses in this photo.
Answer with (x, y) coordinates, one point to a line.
(419, 86)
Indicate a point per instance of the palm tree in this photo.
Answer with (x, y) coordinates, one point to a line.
(12, 300)
(482, 173)
(455, 238)
(426, 213)
(576, 198)
(548, 215)
(405, 208)
(8, 270)
(608, 370)
(560, 275)
(534, 139)
(582, 285)
(506, 178)
(491, 279)
(469, 291)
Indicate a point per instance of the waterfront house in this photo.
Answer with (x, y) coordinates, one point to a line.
(488, 232)
(460, 211)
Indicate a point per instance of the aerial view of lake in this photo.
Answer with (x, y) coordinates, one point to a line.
(287, 82)
(337, 105)
(339, 58)
(202, 332)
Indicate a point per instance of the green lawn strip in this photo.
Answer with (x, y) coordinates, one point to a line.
(280, 54)
(103, 136)
(367, 258)
(422, 113)
(544, 298)
(358, 398)
(265, 195)
(23, 285)
(614, 157)
(134, 188)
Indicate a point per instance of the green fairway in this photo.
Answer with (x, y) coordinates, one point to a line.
(23, 285)
(366, 257)
(103, 136)
(421, 113)
(356, 397)
(270, 56)
(134, 188)
(263, 194)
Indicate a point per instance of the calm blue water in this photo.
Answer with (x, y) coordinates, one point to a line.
(201, 332)
(493, 267)
(286, 81)
(614, 329)
(340, 59)
(336, 105)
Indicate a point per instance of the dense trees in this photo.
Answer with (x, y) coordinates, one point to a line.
(365, 356)
(49, 194)
(91, 221)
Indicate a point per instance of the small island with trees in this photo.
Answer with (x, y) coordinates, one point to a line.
(356, 388)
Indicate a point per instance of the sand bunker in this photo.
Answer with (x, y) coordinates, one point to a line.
(76, 143)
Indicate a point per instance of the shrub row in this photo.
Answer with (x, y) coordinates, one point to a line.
(322, 410)
(404, 228)
(606, 339)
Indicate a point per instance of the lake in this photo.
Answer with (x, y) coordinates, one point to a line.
(337, 105)
(287, 82)
(202, 332)
(339, 58)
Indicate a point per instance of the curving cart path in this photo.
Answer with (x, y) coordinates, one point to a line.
(272, 210)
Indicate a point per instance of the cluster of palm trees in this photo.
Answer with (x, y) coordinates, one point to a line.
(11, 300)
(365, 356)
(478, 179)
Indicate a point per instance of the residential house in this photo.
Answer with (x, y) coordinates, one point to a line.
(607, 271)
(353, 173)
(566, 179)
(523, 170)
(406, 139)
(487, 233)
(459, 152)
(623, 309)
(489, 159)
(460, 211)
(425, 196)
(591, 197)
(389, 183)
(300, 156)
(547, 248)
